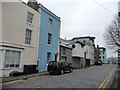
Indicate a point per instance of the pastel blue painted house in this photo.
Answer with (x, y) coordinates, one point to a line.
(103, 54)
(48, 38)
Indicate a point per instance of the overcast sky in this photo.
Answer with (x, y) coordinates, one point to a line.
(83, 17)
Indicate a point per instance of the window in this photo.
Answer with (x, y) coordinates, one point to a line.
(49, 38)
(103, 57)
(84, 41)
(29, 17)
(64, 58)
(48, 56)
(50, 23)
(28, 36)
(64, 51)
(12, 59)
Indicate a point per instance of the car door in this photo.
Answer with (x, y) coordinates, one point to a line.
(67, 66)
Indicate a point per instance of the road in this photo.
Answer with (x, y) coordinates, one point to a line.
(91, 77)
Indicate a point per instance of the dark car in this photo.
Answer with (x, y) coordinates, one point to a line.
(118, 62)
(59, 67)
(99, 62)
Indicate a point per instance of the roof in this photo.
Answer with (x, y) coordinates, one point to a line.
(80, 43)
(32, 1)
(102, 48)
(66, 46)
(48, 11)
(91, 38)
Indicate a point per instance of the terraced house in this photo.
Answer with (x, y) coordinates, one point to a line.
(18, 37)
(48, 38)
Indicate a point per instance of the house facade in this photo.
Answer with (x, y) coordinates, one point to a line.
(97, 52)
(19, 39)
(83, 51)
(89, 49)
(65, 51)
(48, 38)
(103, 54)
(78, 54)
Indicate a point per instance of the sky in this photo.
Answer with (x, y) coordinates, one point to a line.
(84, 17)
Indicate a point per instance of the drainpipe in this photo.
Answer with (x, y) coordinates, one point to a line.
(58, 53)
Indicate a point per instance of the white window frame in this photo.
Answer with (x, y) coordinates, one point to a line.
(50, 23)
(11, 56)
(28, 36)
(30, 17)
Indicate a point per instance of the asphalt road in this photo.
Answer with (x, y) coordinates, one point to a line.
(91, 77)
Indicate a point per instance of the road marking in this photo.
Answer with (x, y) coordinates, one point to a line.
(15, 81)
(107, 79)
(10, 82)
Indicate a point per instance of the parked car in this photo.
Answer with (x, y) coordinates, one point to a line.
(59, 67)
(99, 62)
(119, 62)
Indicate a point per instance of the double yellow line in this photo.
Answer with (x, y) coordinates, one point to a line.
(20, 80)
(107, 79)
(16, 81)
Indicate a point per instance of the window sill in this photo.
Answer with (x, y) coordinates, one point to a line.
(49, 45)
(29, 23)
(27, 45)
(11, 68)
(50, 27)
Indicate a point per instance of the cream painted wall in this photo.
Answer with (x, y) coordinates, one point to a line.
(1, 61)
(14, 29)
(1, 57)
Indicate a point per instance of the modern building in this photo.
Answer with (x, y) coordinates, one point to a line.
(72, 52)
(48, 38)
(119, 9)
(97, 55)
(19, 39)
(89, 49)
(103, 54)
(65, 50)
(78, 55)
(83, 51)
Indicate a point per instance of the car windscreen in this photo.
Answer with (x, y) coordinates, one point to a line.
(52, 63)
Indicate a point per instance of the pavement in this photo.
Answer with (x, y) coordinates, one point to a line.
(23, 77)
(116, 81)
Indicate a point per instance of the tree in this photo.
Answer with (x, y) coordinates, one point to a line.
(112, 34)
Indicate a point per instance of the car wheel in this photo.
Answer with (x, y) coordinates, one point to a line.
(71, 70)
(50, 73)
(61, 72)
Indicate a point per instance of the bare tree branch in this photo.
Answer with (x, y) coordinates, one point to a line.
(112, 34)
